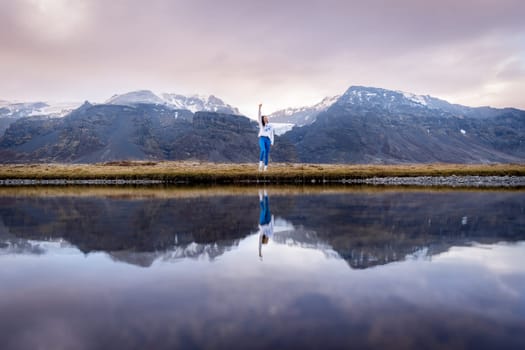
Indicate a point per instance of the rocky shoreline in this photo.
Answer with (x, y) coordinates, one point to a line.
(447, 181)
(58, 182)
(419, 181)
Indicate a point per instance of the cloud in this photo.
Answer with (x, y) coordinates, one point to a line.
(283, 52)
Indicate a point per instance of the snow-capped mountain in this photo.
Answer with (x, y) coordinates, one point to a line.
(194, 103)
(302, 115)
(372, 125)
(399, 102)
(12, 111)
(390, 99)
(369, 98)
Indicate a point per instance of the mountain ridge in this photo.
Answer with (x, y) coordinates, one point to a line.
(301, 116)
(12, 111)
(363, 125)
(193, 103)
(356, 94)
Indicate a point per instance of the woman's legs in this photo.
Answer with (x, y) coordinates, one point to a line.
(266, 150)
(264, 144)
(263, 149)
(265, 216)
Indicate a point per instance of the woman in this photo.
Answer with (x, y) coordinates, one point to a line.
(266, 134)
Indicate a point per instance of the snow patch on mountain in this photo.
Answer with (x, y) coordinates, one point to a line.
(377, 97)
(415, 98)
(194, 103)
(360, 95)
(28, 109)
(135, 97)
(58, 110)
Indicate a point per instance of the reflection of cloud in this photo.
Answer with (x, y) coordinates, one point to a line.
(312, 303)
(497, 260)
(501, 259)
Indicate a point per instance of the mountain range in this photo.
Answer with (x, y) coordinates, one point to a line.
(363, 125)
(11, 111)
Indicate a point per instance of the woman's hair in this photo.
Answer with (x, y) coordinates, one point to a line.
(262, 120)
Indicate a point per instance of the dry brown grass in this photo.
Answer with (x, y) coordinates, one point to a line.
(213, 173)
(165, 192)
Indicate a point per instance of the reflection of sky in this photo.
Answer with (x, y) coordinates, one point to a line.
(66, 298)
(502, 259)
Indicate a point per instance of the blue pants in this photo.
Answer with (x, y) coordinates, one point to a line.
(266, 216)
(264, 144)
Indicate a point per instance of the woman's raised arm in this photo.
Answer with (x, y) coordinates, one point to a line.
(259, 115)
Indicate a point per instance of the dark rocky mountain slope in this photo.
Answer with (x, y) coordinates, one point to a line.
(369, 125)
(98, 133)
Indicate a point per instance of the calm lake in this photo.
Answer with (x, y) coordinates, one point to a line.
(244, 268)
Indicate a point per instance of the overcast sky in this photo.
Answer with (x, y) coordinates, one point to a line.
(280, 52)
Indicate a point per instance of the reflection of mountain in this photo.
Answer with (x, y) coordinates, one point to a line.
(192, 250)
(187, 227)
(365, 229)
(378, 228)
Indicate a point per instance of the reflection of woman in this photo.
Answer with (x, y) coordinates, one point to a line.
(265, 221)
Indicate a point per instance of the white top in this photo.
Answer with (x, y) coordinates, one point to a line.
(266, 130)
(266, 230)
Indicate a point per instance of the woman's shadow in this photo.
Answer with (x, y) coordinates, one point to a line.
(266, 221)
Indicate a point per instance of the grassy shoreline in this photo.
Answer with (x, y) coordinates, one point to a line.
(221, 173)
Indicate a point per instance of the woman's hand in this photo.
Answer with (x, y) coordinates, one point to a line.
(260, 105)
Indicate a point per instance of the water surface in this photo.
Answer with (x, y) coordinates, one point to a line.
(170, 268)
